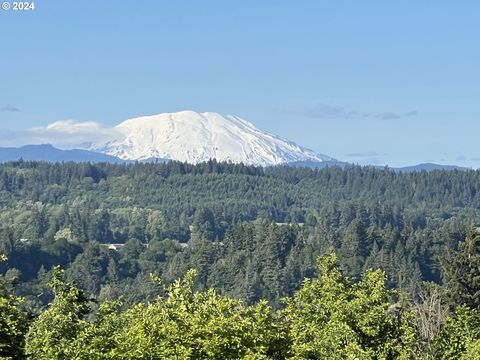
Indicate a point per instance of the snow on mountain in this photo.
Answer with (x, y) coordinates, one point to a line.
(196, 137)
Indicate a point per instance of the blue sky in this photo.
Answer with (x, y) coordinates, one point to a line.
(377, 82)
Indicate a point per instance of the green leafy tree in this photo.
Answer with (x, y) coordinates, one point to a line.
(332, 318)
(199, 325)
(52, 334)
(459, 336)
(473, 351)
(13, 322)
(96, 340)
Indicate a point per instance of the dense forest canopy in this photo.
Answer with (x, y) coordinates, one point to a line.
(252, 235)
(250, 232)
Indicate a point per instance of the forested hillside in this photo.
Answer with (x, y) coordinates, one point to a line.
(251, 234)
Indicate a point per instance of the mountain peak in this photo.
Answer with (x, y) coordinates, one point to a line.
(196, 137)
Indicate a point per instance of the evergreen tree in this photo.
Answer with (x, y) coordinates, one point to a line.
(462, 272)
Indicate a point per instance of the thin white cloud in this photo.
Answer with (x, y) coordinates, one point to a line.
(64, 134)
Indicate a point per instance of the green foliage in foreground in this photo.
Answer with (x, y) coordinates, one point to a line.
(182, 325)
(333, 318)
(13, 322)
(459, 337)
(329, 317)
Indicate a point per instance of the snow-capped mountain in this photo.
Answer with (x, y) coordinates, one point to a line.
(196, 137)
